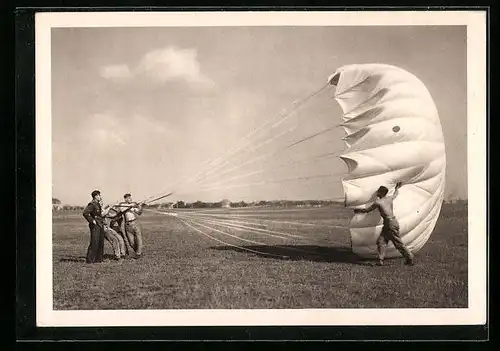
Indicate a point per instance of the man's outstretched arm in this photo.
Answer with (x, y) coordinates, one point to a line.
(396, 190)
(366, 210)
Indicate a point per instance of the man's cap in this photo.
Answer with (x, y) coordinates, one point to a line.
(126, 195)
(95, 193)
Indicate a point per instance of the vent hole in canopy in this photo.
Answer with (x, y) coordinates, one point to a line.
(396, 129)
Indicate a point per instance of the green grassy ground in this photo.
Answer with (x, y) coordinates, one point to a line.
(183, 269)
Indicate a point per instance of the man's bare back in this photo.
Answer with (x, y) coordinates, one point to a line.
(385, 207)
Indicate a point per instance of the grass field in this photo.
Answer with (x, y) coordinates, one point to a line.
(183, 269)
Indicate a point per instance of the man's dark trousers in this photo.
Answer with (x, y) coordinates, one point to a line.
(95, 251)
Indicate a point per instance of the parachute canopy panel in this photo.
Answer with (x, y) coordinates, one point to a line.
(393, 134)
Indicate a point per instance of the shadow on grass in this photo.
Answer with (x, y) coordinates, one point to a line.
(302, 253)
(83, 258)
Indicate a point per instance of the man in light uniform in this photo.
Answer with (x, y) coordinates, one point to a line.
(131, 211)
(116, 224)
(390, 229)
(111, 235)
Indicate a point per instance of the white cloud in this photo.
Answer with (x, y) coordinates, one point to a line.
(163, 65)
(107, 131)
(104, 130)
(172, 63)
(116, 72)
(105, 136)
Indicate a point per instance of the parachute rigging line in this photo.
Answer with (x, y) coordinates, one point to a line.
(268, 182)
(255, 148)
(285, 116)
(269, 140)
(197, 222)
(245, 227)
(251, 241)
(267, 220)
(223, 224)
(227, 234)
(255, 210)
(223, 219)
(273, 153)
(249, 174)
(159, 198)
(213, 164)
(228, 244)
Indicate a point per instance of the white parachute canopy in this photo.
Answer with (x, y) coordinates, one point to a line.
(393, 135)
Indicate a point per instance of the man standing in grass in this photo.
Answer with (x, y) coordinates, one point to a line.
(131, 211)
(116, 224)
(111, 235)
(390, 229)
(93, 214)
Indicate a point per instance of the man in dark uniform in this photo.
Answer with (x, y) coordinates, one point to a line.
(93, 214)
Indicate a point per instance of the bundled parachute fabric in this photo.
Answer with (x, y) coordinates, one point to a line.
(393, 135)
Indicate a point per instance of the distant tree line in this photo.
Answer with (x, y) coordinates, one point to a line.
(57, 204)
(240, 204)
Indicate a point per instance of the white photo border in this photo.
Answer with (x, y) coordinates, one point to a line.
(475, 314)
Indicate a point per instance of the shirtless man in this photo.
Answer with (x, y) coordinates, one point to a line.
(131, 212)
(390, 229)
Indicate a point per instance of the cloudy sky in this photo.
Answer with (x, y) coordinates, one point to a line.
(142, 109)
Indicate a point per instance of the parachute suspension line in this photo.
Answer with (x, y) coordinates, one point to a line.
(227, 217)
(200, 223)
(273, 153)
(312, 136)
(251, 150)
(251, 241)
(269, 140)
(287, 114)
(249, 174)
(245, 227)
(158, 198)
(256, 220)
(222, 224)
(214, 167)
(228, 222)
(228, 244)
(268, 182)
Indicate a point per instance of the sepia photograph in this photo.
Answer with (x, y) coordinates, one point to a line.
(303, 168)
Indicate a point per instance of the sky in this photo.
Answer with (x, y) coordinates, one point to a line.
(145, 110)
